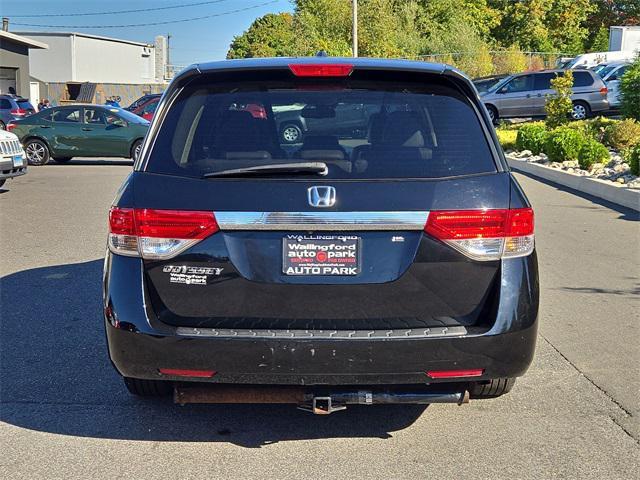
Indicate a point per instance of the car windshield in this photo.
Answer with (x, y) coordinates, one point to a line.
(359, 130)
(498, 85)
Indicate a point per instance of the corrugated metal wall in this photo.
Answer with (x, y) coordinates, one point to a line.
(57, 92)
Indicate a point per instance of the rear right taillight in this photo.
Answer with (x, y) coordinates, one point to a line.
(18, 112)
(157, 234)
(604, 91)
(484, 234)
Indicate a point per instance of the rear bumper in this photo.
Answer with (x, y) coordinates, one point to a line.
(139, 344)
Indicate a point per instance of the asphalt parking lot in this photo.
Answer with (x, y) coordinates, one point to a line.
(64, 412)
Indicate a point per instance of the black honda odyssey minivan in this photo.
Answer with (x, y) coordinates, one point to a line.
(383, 255)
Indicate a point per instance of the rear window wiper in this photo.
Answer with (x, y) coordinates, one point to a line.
(318, 168)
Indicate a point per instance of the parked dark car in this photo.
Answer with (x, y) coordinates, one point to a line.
(13, 108)
(483, 84)
(525, 95)
(71, 131)
(395, 268)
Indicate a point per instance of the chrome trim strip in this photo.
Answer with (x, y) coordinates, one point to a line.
(432, 332)
(328, 221)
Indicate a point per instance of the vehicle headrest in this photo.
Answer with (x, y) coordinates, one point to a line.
(240, 131)
(403, 129)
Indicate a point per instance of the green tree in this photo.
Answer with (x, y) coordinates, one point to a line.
(630, 90)
(269, 36)
(559, 106)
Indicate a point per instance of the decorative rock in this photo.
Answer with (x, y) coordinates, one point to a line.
(621, 167)
(596, 166)
(525, 153)
(570, 170)
(620, 180)
(556, 165)
(543, 156)
(569, 164)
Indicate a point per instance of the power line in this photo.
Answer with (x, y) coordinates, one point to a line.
(147, 24)
(117, 12)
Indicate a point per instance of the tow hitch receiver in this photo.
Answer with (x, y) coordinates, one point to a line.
(321, 402)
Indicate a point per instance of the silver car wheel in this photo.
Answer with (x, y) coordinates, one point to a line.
(35, 153)
(136, 151)
(291, 134)
(579, 112)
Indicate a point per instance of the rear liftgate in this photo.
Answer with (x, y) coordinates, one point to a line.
(317, 401)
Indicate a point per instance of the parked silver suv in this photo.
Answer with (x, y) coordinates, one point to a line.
(524, 94)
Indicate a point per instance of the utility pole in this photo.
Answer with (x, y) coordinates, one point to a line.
(355, 27)
(167, 68)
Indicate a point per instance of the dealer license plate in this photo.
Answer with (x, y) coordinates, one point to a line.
(320, 255)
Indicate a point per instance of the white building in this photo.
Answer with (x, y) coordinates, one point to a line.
(103, 66)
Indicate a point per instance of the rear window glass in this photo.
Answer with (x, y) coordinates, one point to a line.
(359, 129)
(25, 104)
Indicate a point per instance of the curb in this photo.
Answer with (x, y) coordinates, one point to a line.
(613, 193)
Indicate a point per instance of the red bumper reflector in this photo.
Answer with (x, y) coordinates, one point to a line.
(476, 372)
(176, 372)
(321, 69)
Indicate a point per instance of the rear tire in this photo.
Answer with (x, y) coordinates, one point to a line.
(136, 149)
(492, 388)
(291, 133)
(493, 114)
(37, 152)
(581, 111)
(148, 388)
(62, 159)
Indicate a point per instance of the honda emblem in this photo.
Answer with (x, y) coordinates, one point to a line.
(321, 197)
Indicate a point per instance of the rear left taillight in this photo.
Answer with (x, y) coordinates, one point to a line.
(604, 91)
(11, 126)
(484, 234)
(157, 234)
(18, 112)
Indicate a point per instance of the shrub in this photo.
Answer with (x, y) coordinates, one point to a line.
(559, 106)
(531, 137)
(622, 134)
(564, 143)
(507, 138)
(592, 152)
(632, 156)
(597, 127)
(630, 91)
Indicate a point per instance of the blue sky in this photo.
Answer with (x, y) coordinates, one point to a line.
(195, 41)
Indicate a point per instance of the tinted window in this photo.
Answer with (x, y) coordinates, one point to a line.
(67, 115)
(126, 115)
(582, 79)
(5, 104)
(359, 129)
(25, 104)
(542, 81)
(519, 84)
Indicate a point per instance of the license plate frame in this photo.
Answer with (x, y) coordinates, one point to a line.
(342, 255)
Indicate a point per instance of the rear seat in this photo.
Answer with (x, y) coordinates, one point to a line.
(401, 137)
(325, 148)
